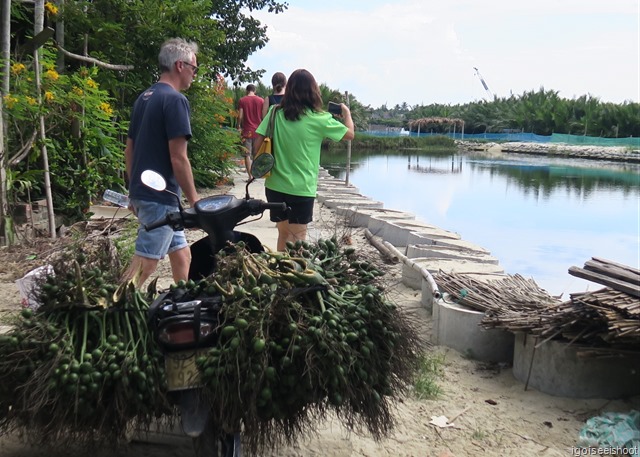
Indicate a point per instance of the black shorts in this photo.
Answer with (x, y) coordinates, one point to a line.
(299, 211)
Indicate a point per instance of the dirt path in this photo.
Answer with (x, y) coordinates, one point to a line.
(492, 413)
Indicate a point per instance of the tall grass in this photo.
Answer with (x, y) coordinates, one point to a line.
(125, 242)
(430, 372)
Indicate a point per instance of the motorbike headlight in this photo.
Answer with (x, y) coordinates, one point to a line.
(185, 332)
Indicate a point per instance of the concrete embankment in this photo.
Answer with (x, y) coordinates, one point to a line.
(424, 248)
(617, 154)
(427, 253)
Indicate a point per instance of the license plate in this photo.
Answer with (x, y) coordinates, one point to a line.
(181, 370)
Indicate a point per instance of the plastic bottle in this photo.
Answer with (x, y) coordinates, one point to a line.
(116, 198)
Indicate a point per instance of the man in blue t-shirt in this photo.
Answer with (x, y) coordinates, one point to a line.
(157, 140)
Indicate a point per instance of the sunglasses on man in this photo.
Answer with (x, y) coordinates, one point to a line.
(193, 67)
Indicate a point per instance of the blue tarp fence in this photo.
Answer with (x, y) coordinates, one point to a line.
(631, 142)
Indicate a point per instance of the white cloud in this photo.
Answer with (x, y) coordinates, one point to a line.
(424, 52)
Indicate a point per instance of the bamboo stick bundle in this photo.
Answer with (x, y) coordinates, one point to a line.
(621, 328)
(615, 299)
(552, 320)
(516, 304)
(511, 293)
(613, 307)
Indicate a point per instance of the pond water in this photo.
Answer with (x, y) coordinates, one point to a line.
(539, 216)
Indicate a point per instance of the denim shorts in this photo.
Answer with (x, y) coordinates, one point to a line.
(156, 243)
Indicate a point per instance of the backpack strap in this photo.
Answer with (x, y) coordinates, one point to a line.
(272, 122)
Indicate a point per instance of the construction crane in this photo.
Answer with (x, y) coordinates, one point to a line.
(484, 84)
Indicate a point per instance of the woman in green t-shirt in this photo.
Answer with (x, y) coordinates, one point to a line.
(300, 126)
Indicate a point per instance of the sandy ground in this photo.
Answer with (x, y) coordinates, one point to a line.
(492, 413)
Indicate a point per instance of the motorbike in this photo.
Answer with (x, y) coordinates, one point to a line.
(184, 328)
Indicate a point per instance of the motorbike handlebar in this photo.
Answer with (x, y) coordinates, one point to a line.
(273, 205)
(156, 224)
(192, 217)
(176, 221)
(256, 206)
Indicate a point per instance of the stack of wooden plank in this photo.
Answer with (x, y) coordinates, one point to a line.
(618, 305)
(608, 317)
(611, 274)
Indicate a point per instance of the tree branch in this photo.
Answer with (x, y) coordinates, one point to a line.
(97, 62)
(22, 153)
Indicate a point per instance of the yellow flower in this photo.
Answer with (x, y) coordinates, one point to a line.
(17, 68)
(104, 106)
(31, 100)
(52, 74)
(218, 117)
(10, 101)
(91, 83)
(78, 91)
(51, 8)
(48, 96)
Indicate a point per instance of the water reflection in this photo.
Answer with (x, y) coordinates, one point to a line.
(538, 215)
(431, 166)
(532, 173)
(545, 178)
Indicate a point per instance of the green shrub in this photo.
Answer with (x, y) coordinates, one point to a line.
(215, 143)
(364, 141)
(430, 372)
(84, 153)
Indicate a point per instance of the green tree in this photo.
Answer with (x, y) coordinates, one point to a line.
(359, 112)
(542, 112)
(135, 29)
(212, 122)
(243, 35)
(86, 132)
(82, 136)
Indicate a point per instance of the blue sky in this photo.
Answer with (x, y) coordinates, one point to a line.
(424, 52)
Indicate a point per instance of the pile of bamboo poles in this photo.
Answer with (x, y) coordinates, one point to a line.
(620, 312)
(511, 294)
(609, 317)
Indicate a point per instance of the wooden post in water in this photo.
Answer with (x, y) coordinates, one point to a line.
(346, 177)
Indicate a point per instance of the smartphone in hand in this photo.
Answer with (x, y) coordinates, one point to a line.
(334, 108)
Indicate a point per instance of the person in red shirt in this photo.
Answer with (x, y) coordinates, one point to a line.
(249, 117)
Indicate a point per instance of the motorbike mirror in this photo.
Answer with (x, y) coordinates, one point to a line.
(153, 179)
(157, 182)
(262, 165)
